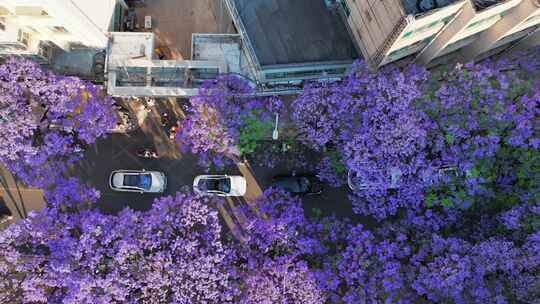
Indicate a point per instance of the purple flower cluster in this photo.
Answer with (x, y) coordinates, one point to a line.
(413, 139)
(218, 115)
(175, 253)
(449, 169)
(322, 112)
(46, 120)
(172, 254)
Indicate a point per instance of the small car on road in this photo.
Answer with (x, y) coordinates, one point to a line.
(304, 184)
(141, 181)
(220, 185)
(391, 180)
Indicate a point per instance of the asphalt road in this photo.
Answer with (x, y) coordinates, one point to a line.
(118, 151)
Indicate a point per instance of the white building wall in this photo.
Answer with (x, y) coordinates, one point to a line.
(511, 27)
(61, 21)
(464, 30)
(419, 31)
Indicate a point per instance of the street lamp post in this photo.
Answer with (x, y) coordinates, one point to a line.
(275, 133)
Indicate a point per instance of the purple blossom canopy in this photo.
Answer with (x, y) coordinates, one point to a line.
(46, 120)
(218, 114)
(171, 253)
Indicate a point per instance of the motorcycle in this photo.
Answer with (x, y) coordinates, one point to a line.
(147, 153)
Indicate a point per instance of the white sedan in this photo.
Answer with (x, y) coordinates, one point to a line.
(391, 180)
(220, 185)
(141, 181)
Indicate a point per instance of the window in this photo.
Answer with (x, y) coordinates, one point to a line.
(531, 18)
(400, 52)
(447, 19)
(425, 27)
(168, 77)
(483, 21)
(414, 47)
(59, 29)
(506, 12)
(131, 77)
(474, 24)
(23, 37)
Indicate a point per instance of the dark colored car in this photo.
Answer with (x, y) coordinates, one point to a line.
(307, 184)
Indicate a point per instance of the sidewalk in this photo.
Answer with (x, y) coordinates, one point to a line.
(18, 198)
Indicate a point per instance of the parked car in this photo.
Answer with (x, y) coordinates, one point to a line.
(305, 184)
(138, 181)
(442, 174)
(220, 185)
(390, 180)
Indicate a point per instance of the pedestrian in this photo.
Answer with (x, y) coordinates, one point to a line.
(164, 119)
(172, 132)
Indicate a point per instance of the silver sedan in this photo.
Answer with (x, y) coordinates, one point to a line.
(141, 181)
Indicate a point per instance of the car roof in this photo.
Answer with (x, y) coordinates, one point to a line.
(291, 183)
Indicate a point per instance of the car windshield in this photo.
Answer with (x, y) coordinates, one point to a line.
(143, 181)
(215, 184)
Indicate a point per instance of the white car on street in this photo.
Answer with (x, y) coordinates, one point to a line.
(220, 185)
(391, 180)
(141, 181)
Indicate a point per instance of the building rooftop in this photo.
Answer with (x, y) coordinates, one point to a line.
(299, 31)
(418, 7)
(217, 47)
(129, 46)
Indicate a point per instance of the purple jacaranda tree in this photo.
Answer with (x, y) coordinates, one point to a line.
(486, 129)
(222, 112)
(372, 269)
(274, 268)
(331, 170)
(46, 120)
(169, 254)
(280, 280)
(322, 112)
(450, 269)
(387, 151)
(70, 195)
(524, 281)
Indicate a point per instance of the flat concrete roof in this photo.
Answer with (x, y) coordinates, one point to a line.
(295, 31)
(217, 47)
(130, 45)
